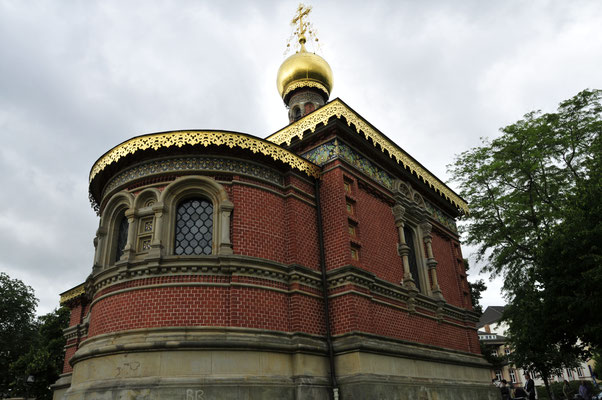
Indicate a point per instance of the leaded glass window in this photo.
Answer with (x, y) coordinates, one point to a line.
(122, 237)
(194, 227)
(409, 234)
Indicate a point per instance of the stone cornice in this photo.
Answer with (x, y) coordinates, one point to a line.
(357, 341)
(287, 275)
(159, 339)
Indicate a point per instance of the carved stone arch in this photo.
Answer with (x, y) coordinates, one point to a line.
(146, 198)
(402, 188)
(419, 200)
(120, 204)
(191, 186)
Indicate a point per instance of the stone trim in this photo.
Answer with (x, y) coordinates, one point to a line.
(195, 164)
(357, 341)
(158, 339)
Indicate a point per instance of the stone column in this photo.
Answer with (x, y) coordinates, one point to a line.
(129, 252)
(157, 243)
(430, 261)
(225, 210)
(99, 248)
(402, 248)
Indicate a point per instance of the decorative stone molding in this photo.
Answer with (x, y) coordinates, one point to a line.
(189, 164)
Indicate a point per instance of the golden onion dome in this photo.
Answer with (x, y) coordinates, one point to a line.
(304, 69)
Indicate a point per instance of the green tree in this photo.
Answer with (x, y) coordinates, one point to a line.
(476, 289)
(533, 338)
(44, 360)
(534, 194)
(571, 270)
(17, 308)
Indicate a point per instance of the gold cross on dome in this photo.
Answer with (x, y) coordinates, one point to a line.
(302, 11)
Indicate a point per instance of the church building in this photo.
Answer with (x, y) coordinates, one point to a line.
(322, 262)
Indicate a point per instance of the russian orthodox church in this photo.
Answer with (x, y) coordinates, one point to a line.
(322, 262)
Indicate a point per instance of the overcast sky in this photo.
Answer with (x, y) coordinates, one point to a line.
(79, 77)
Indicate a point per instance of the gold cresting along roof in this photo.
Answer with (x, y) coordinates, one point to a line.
(73, 293)
(180, 138)
(304, 83)
(339, 109)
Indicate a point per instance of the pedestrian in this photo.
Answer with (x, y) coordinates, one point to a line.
(584, 391)
(504, 390)
(567, 390)
(520, 394)
(529, 387)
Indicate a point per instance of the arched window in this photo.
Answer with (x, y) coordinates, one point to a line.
(194, 227)
(296, 113)
(122, 237)
(409, 234)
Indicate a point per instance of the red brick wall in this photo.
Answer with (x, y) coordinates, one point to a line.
(379, 238)
(334, 217)
(258, 223)
(353, 312)
(188, 306)
(447, 270)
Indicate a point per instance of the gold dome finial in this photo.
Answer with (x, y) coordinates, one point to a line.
(304, 71)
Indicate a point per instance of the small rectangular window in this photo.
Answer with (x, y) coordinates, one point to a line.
(347, 186)
(498, 375)
(512, 376)
(352, 230)
(350, 209)
(355, 254)
(569, 372)
(580, 372)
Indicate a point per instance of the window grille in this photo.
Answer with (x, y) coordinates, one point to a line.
(194, 227)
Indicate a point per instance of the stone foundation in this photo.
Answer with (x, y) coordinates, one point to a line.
(200, 364)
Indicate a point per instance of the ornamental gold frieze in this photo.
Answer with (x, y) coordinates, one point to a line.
(158, 141)
(303, 84)
(73, 293)
(338, 109)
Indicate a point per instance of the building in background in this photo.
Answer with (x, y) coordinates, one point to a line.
(492, 333)
(322, 262)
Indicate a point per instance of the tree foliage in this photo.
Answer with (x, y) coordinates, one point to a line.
(17, 308)
(571, 270)
(535, 194)
(29, 346)
(476, 289)
(44, 360)
(518, 185)
(534, 339)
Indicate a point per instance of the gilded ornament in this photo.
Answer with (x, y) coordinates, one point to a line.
(73, 293)
(205, 138)
(304, 83)
(338, 109)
